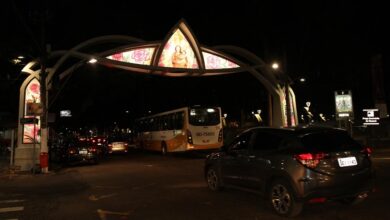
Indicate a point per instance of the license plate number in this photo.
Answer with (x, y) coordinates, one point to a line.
(83, 152)
(347, 161)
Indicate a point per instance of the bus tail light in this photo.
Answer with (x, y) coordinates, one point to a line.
(189, 137)
(220, 136)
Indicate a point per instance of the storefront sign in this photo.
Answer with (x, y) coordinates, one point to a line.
(371, 116)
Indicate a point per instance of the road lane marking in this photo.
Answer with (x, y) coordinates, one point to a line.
(103, 213)
(95, 198)
(11, 209)
(11, 201)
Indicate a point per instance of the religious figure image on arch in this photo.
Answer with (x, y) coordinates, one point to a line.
(179, 58)
(178, 53)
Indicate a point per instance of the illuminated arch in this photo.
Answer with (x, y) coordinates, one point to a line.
(144, 57)
(178, 55)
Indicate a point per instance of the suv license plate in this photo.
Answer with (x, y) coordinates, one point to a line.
(83, 152)
(347, 161)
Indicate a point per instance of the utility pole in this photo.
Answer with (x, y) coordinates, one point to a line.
(44, 95)
(44, 128)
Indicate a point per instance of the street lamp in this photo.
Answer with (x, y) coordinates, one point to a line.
(275, 66)
(93, 60)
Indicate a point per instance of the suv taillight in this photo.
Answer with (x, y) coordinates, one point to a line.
(367, 151)
(310, 160)
(189, 137)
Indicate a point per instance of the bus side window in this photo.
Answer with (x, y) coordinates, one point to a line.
(158, 125)
(170, 122)
(164, 122)
(179, 120)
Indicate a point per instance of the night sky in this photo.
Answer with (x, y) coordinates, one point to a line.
(331, 44)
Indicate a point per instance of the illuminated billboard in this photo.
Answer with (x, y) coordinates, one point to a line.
(177, 53)
(65, 113)
(32, 95)
(344, 106)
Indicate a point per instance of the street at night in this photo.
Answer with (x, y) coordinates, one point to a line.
(149, 186)
(109, 110)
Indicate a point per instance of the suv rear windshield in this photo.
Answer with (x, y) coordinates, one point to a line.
(329, 141)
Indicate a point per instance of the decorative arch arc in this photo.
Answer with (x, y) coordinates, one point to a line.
(179, 54)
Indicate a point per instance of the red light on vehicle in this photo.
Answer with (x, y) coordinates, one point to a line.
(367, 150)
(126, 144)
(92, 149)
(317, 200)
(310, 160)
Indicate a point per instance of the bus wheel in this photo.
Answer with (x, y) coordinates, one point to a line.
(164, 151)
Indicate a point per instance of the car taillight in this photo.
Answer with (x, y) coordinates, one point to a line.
(126, 144)
(110, 145)
(72, 151)
(220, 135)
(310, 160)
(92, 149)
(189, 137)
(367, 151)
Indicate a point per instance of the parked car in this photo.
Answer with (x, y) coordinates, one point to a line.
(100, 142)
(292, 167)
(80, 150)
(117, 144)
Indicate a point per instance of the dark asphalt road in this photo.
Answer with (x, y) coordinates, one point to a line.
(149, 186)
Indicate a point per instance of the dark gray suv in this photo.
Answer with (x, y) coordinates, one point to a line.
(294, 166)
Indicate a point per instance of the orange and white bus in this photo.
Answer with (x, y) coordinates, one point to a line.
(180, 130)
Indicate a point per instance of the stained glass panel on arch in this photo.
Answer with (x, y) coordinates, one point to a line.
(215, 62)
(141, 56)
(177, 53)
(32, 95)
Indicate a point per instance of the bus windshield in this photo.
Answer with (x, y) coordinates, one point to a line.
(204, 116)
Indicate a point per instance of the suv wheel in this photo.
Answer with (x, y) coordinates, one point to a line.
(283, 200)
(213, 179)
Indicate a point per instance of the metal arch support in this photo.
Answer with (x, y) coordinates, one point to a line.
(253, 58)
(272, 84)
(93, 41)
(23, 153)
